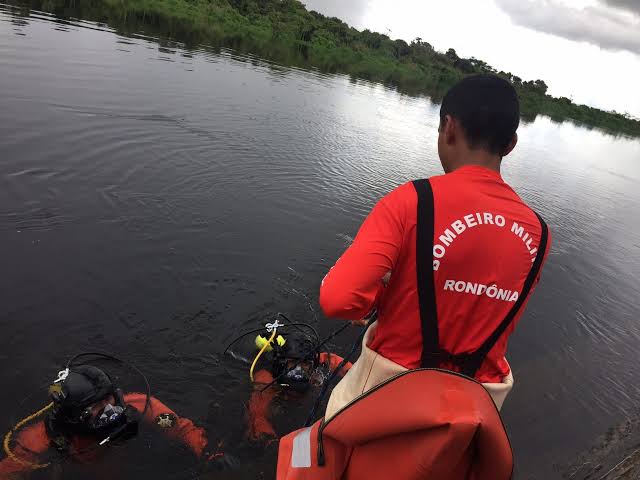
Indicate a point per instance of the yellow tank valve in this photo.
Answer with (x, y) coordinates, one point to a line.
(262, 341)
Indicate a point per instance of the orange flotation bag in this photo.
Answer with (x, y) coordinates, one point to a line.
(418, 425)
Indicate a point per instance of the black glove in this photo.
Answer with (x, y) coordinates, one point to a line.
(220, 461)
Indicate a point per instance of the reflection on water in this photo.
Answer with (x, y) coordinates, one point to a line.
(155, 201)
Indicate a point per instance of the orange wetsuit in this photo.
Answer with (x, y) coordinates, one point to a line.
(258, 409)
(34, 440)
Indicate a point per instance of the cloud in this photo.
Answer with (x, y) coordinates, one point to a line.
(349, 11)
(610, 28)
(632, 6)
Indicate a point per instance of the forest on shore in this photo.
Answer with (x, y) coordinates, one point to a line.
(285, 31)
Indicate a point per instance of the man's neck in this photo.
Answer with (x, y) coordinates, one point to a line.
(480, 158)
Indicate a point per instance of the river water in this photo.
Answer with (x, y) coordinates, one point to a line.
(156, 201)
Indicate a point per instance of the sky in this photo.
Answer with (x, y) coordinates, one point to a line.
(587, 50)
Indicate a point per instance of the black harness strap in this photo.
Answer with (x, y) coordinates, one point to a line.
(424, 267)
(432, 354)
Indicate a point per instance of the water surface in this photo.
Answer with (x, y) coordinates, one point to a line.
(155, 201)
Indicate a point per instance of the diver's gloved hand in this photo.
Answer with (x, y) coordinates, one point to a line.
(220, 461)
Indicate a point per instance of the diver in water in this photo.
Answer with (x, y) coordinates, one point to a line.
(294, 364)
(87, 411)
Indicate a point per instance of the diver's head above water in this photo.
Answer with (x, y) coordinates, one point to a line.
(86, 402)
(295, 362)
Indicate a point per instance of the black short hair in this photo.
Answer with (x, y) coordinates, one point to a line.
(488, 109)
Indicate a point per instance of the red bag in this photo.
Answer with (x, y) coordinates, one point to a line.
(421, 424)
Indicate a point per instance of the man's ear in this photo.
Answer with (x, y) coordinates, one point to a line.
(511, 146)
(449, 129)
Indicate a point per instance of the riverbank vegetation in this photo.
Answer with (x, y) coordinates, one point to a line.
(285, 31)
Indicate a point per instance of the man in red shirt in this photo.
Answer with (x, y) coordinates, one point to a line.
(448, 262)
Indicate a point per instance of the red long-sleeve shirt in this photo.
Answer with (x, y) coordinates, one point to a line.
(485, 236)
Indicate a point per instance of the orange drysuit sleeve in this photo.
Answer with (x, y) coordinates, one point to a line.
(258, 409)
(333, 361)
(169, 422)
(28, 444)
(351, 288)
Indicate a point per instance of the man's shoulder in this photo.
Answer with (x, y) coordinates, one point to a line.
(400, 196)
(403, 188)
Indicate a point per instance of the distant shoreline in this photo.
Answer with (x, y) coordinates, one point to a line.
(285, 31)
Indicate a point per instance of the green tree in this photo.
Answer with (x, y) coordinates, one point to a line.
(284, 30)
(452, 55)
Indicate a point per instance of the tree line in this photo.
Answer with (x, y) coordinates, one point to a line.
(284, 30)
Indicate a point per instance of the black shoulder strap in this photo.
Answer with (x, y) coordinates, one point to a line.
(479, 355)
(424, 267)
(432, 354)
